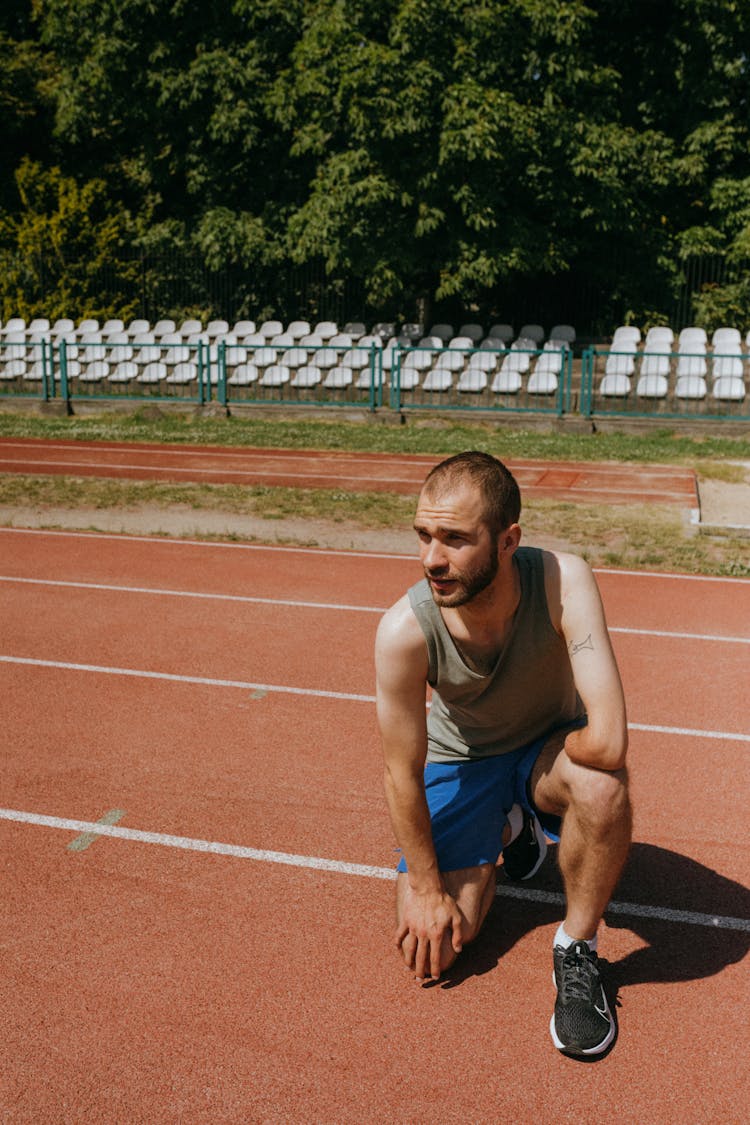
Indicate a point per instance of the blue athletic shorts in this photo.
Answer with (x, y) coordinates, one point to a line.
(469, 802)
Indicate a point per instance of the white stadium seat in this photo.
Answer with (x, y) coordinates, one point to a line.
(306, 376)
(275, 376)
(244, 375)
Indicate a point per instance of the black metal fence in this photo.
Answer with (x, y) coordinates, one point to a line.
(593, 296)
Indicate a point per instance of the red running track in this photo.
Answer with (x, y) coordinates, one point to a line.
(224, 953)
(584, 481)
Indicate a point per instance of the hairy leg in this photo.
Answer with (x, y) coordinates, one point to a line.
(473, 889)
(595, 838)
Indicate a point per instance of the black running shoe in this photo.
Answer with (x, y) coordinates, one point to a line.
(582, 1023)
(523, 857)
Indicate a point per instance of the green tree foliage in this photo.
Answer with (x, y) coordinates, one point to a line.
(65, 242)
(458, 145)
(436, 150)
(26, 95)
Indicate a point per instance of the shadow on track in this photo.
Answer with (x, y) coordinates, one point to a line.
(654, 877)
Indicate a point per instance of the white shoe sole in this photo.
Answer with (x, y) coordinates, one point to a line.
(541, 840)
(597, 1050)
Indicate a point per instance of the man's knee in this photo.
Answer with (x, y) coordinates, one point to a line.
(599, 797)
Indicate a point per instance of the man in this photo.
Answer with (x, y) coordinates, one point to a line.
(527, 720)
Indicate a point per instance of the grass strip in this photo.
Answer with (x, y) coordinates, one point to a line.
(636, 536)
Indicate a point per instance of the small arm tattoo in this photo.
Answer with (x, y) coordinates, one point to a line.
(576, 646)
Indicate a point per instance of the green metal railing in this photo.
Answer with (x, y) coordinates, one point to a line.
(518, 381)
(225, 372)
(26, 369)
(617, 383)
(323, 378)
(162, 372)
(665, 384)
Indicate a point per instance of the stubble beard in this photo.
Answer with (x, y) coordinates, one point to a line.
(470, 584)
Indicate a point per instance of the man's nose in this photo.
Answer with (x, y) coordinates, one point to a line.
(433, 557)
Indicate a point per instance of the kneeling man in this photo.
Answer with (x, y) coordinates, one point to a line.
(526, 727)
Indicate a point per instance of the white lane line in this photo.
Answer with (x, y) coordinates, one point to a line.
(244, 685)
(330, 470)
(671, 576)
(173, 677)
(235, 453)
(196, 594)
(203, 543)
(323, 552)
(689, 732)
(249, 475)
(679, 636)
(343, 606)
(635, 909)
(590, 468)
(339, 867)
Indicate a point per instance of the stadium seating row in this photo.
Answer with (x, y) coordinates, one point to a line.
(659, 340)
(626, 339)
(17, 331)
(661, 362)
(345, 358)
(659, 365)
(324, 367)
(728, 388)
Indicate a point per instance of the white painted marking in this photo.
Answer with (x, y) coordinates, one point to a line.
(234, 452)
(205, 681)
(262, 855)
(690, 732)
(639, 910)
(680, 636)
(340, 867)
(246, 475)
(298, 462)
(324, 552)
(195, 594)
(671, 576)
(590, 468)
(299, 604)
(203, 543)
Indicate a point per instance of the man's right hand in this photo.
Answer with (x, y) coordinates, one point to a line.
(430, 934)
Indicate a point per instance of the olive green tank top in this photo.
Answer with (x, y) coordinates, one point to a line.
(529, 692)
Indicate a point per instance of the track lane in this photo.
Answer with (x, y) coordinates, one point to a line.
(678, 603)
(218, 640)
(222, 773)
(305, 648)
(222, 992)
(228, 990)
(608, 481)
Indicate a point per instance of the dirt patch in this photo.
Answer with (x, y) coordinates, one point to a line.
(725, 505)
(189, 522)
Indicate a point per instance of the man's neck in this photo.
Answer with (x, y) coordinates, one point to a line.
(491, 612)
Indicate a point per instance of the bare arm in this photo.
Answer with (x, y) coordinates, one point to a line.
(401, 668)
(603, 743)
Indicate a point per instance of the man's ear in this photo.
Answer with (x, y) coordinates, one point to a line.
(510, 538)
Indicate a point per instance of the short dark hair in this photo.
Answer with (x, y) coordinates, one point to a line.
(500, 493)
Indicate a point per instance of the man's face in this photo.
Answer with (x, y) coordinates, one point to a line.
(457, 552)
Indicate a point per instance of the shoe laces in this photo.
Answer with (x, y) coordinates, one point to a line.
(580, 975)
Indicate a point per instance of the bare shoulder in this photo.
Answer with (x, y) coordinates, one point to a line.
(400, 647)
(399, 629)
(569, 582)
